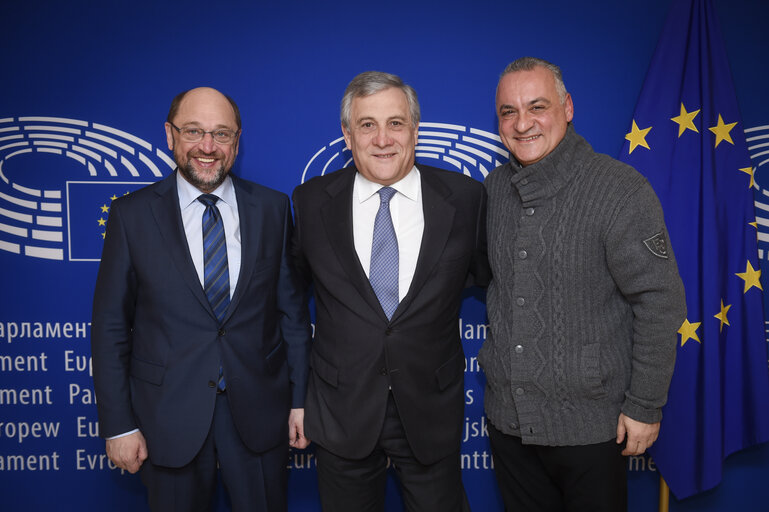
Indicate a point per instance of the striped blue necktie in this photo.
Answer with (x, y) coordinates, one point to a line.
(383, 273)
(216, 275)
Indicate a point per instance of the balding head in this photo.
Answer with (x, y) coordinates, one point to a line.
(176, 102)
(203, 131)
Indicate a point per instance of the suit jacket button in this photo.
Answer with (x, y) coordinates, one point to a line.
(383, 371)
(222, 332)
(388, 332)
(211, 384)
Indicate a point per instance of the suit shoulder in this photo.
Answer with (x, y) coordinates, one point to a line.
(452, 179)
(141, 195)
(317, 183)
(263, 193)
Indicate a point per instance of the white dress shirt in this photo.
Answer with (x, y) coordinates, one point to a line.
(408, 220)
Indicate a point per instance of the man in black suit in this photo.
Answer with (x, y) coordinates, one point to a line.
(200, 334)
(389, 247)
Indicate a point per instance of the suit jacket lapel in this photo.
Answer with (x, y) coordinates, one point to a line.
(439, 218)
(251, 233)
(337, 219)
(165, 209)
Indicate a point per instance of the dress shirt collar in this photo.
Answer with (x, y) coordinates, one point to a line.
(188, 194)
(408, 186)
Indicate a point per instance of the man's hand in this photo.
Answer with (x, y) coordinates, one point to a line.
(640, 436)
(128, 452)
(296, 437)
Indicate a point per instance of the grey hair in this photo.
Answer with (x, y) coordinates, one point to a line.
(529, 63)
(372, 82)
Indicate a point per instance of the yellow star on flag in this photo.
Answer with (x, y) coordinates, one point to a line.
(722, 315)
(104, 235)
(685, 121)
(637, 137)
(102, 222)
(104, 208)
(722, 131)
(751, 276)
(749, 172)
(754, 224)
(113, 197)
(689, 331)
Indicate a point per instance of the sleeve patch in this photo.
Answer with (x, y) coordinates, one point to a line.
(657, 245)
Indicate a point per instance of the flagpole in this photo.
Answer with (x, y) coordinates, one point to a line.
(664, 496)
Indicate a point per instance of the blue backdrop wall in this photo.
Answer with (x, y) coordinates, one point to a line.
(84, 90)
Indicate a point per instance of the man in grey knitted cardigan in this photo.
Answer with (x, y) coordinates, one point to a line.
(584, 306)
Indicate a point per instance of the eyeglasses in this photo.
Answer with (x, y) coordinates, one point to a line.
(220, 136)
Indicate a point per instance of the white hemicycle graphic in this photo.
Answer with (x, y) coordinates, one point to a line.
(758, 148)
(470, 151)
(32, 217)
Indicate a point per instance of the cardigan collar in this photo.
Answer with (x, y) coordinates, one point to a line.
(542, 180)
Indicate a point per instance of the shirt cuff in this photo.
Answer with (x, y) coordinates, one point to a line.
(122, 435)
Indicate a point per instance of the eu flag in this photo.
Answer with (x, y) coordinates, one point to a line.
(88, 205)
(686, 137)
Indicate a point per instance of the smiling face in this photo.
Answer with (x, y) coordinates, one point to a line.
(532, 118)
(381, 136)
(205, 164)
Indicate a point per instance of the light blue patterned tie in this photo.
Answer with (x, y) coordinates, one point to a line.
(383, 272)
(216, 274)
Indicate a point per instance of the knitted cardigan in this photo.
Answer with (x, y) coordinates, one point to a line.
(585, 300)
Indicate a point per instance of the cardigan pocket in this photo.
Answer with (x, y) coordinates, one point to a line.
(591, 371)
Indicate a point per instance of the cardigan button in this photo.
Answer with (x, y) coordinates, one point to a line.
(529, 211)
(519, 391)
(519, 349)
(520, 301)
(522, 254)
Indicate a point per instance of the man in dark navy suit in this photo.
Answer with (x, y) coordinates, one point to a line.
(389, 247)
(200, 332)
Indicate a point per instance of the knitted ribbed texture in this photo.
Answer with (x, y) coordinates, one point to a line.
(577, 298)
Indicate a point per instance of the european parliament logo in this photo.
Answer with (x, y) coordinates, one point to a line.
(758, 148)
(58, 177)
(470, 151)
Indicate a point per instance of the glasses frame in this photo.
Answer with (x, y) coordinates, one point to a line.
(234, 135)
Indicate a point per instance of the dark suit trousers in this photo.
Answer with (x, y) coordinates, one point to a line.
(254, 481)
(559, 478)
(359, 485)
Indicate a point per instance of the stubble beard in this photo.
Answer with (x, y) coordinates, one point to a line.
(206, 183)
